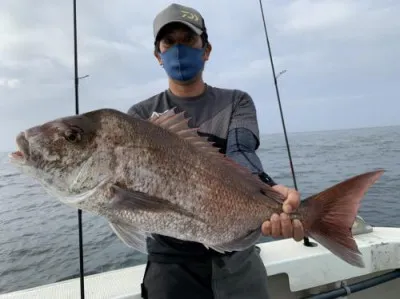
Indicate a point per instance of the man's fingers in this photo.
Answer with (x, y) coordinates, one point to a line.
(286, 226)
(266, 228)
(287, 207)
(298, 232)
(275, 226)
(282, 190)
(292, 198)
(292, 202)
(281, 225)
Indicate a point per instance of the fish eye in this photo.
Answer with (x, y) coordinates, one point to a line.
(72, 136)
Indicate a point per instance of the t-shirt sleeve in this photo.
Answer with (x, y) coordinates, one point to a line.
(240, 148)
(244, 116)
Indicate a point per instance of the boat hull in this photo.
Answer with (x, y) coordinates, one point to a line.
(294, 271)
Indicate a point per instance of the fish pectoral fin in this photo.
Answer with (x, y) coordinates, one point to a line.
(239, 244)
(130, 199)
(130, 235)
(75, 196)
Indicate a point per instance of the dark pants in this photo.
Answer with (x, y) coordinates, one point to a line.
(239, 276)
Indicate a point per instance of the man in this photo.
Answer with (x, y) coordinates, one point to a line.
(178, 269)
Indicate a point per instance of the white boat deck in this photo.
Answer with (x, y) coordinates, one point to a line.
(306, 267)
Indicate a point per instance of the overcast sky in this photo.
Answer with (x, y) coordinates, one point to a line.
(341, 59)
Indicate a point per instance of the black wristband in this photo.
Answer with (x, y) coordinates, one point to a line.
(267, 179)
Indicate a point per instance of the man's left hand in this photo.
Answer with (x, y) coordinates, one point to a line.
(281, 225)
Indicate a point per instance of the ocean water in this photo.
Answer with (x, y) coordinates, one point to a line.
(39, 236)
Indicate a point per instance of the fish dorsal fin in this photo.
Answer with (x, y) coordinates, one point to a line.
(177, 123)
(159, 117)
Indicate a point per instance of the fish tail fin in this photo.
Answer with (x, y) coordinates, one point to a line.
(329, 215)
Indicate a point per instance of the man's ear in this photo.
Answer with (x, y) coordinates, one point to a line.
(158, 57)
(207, 52)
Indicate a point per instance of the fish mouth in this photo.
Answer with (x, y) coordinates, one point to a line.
(21, 155)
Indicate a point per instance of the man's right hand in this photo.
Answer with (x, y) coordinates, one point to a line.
(281, 225)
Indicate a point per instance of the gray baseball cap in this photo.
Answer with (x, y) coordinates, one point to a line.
(181, 14)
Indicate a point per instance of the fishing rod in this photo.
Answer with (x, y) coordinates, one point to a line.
(81, 270)
(306, 240)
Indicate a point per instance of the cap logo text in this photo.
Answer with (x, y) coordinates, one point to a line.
(189, 15)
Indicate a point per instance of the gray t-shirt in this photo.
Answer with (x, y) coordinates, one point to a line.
(215, 112)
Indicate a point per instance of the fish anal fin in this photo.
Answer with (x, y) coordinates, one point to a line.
(130, 235)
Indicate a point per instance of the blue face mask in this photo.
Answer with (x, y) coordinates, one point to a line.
(182, 62)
